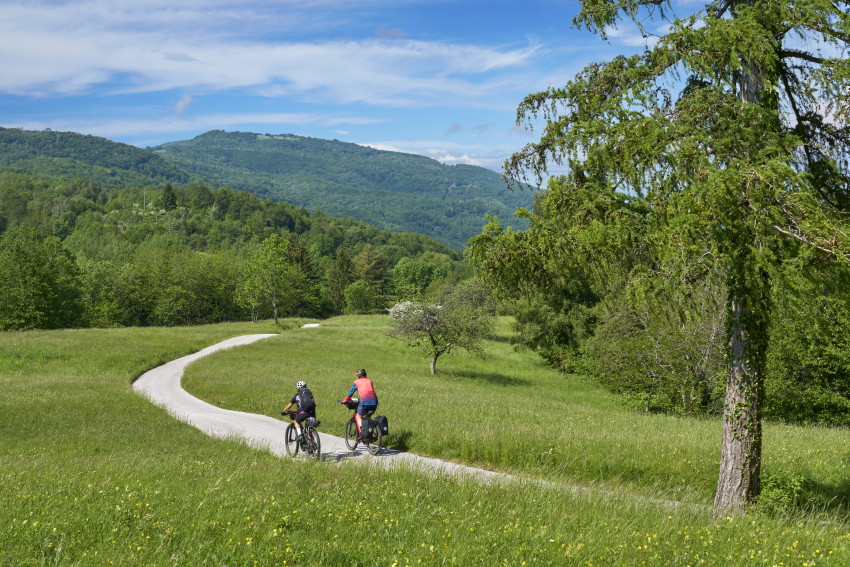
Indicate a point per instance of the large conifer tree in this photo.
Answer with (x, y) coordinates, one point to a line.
(723, 147)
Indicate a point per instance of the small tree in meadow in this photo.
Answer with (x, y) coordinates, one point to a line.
(463, 319)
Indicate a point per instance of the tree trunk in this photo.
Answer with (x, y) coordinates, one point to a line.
(434, 365)
(740, 452)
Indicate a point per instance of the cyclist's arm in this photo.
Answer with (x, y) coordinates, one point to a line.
(350, 393)
(286, 409)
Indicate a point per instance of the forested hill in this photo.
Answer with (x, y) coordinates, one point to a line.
(391, 190)
(72, 254)
(68, 155)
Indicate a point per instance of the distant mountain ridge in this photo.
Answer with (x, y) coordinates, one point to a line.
(66, 155)
(390, 190)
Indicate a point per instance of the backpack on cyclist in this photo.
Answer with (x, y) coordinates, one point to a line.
(382, 424)
(367, 427)
(305, 400)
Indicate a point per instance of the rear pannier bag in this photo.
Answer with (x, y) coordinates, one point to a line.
(382, 424)
(366, 427)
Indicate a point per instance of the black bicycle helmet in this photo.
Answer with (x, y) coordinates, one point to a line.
(361, 373)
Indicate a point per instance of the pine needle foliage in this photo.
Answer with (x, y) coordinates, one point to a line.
(722, 149)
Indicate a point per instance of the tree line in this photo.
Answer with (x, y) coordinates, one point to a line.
(74, 255)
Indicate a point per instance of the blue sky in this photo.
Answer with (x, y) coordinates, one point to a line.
(439, 78)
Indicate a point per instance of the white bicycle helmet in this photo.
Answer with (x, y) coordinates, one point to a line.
(301, 384)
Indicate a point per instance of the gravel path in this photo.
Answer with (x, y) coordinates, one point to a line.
(162, 386)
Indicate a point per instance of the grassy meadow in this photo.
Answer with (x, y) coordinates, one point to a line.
(93, 474)
(508, 411)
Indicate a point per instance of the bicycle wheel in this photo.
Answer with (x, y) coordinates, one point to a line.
(314, 443)
(291, 441)
(374, 446)
(351, 434)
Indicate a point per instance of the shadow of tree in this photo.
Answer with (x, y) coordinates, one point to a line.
(493, 378)
(791, 494)
(831, 498)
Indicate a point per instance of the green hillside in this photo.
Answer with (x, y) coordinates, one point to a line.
(68, 155)
(391, 190)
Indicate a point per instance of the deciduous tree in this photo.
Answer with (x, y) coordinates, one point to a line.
(359, 296)
(271, 278)
(412, 277)
(463, 319)
(40, 285)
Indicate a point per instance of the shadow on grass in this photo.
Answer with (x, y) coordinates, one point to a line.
(493, 378)
(789, 495)
(833, 499)
(401, 440)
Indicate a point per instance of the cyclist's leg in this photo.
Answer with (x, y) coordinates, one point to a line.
(370, 410)
(299, 417)
(363, 411)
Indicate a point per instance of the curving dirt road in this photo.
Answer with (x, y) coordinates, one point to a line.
(162, 386)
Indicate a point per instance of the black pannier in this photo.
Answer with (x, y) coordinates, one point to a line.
(382, 424)
(366, 427)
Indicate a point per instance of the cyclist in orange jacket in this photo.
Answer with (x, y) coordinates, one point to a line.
(368, 399)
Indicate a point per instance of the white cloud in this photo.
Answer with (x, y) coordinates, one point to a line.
(342, 132)
(449, 153)
(520, 130)
(78, 46)
(392, 33)
(472, 158)
(183, 104)
(387, 148)
(628, 34)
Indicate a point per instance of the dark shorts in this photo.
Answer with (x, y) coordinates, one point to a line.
(302, 415)
(366, 409)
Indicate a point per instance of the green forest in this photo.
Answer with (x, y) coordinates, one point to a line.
(75, 255)
(390, 190)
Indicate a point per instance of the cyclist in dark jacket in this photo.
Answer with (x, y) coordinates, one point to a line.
(368, 399)
(303, 398)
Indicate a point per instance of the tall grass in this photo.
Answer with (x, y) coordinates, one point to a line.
(92, 474)
(508, 411)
